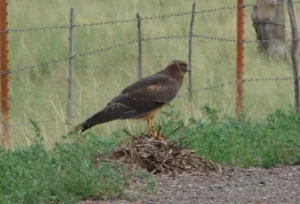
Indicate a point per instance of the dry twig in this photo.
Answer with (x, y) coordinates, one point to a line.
(159, 156)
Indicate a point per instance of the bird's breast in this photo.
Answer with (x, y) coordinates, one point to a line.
(150, 114)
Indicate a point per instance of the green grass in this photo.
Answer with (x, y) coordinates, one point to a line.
(65, 173)
(225, 140)
(41, 93)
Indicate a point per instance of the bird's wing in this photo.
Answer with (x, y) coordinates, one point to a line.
(147, 95)
(143, 82)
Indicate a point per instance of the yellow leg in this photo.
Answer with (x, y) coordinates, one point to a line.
(150, 123)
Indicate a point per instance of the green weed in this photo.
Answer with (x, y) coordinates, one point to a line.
(64, 174)
(275, 140)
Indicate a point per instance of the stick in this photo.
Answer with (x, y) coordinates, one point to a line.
(294, 53)
(140, 57)
(71, 57)
(190, 49)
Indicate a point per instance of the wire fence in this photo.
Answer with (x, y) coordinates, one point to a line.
(146, 39)
(231, 83)
(214, 38)
(134, 19)
(118, 45)
(207, 88)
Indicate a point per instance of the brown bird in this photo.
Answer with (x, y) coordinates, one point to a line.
(142, 99)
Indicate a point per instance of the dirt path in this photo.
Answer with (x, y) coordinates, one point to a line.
(253, 185)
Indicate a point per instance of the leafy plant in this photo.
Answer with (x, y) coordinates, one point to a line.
(247, 143)
(62, 174)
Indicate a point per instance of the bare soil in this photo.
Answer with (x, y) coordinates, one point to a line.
(280, 184)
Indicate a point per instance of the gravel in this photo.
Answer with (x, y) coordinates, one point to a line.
(280, 184)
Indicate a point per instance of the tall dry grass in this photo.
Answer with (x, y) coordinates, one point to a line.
(41, 93)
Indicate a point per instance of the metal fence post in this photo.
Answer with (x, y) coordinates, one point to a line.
(294, 53)
(140, 57)
(240, 57)
(190, 50)
(4, 75)
(71, 57)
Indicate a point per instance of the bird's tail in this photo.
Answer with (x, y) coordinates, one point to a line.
(108, 114)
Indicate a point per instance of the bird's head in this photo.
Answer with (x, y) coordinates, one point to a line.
(178, 64)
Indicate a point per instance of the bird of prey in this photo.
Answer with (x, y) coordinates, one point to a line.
(142, 99)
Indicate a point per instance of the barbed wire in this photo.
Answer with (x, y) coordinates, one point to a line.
(165, 37)
(14, 70)
(35, 66)
(145, 39)
(107, 48)
(104, 23)
(244, 41)
(216, 9)
(148, 39)
(68, 26)
(166, 16)
(215, 38)
(230, 83)
(35, 29)
(67, 58)
(94, 24)
(270, 79)
(134, 20)
(209, 88)
(268, 40)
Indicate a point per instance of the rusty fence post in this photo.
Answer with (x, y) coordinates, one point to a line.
(140, 49)
(240, 57)
(71, 58)
(4, 73)
(190, 50)
(294, 55)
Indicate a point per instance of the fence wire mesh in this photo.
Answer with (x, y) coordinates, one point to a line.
(55, 61)
(234, 82)
(208, 88)
(14, 70)
(57, 27)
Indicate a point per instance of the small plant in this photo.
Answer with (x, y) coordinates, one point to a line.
(245, 142)
(38, 139)
(65, 173)
(211, 113)
(149, 188)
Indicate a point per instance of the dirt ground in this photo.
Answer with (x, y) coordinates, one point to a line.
(252, 185)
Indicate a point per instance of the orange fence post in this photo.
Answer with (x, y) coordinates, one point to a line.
(4, 72)
(240, 57)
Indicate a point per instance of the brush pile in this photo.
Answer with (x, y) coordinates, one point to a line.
(158, 156)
